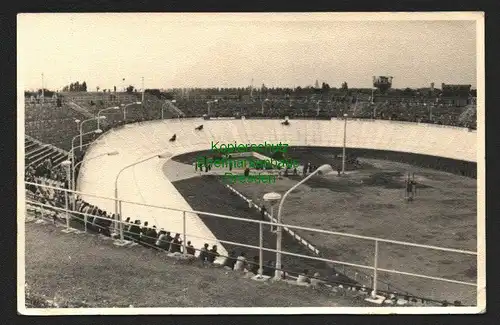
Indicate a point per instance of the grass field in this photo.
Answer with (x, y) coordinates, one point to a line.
(86, 271)
(369, 202)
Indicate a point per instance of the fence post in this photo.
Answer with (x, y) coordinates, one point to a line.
(184, 251)
(66, 207)
(85, 219)
(260, 249)
(375, 265)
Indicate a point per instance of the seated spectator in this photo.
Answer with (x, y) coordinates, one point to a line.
(175, 244)
(190, 249)
(269, 268)
(204, 253)
(150, 236)
(127, 225)
(230, 260)
(144, 229)
(303, 278)
(240, 262)
(162, 241)
(212, 254)
(316, 281)
(134, 232)
(254, 268)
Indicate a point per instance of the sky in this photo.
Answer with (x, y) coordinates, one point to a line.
(229, 50)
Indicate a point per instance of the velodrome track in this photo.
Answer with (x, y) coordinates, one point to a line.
(146, 182)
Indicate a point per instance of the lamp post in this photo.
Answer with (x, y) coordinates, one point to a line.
(272, 198)
(66, 164)
(118, 211)
(90, 119)
(102, 110)
(77, 121)
(343, 148)
(73, 184)
(323, 169)
(317, 107)
(72, 154)
(125, 109)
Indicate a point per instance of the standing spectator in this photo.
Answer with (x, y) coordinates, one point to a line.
(240, 262)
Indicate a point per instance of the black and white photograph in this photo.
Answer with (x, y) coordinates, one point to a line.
(251, 163)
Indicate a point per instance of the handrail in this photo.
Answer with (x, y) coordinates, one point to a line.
(283, 252)
(453, 250)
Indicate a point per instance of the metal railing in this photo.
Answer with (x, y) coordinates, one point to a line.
(375, 268)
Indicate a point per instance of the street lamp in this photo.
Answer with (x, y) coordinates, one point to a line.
(125, 109)
(118, 211)
(72, 153)
(272, 198)
(102, 110)
(343, 148)
(90, 119)
(317, 107)
(73, 184)
(324, 169)
(66, 164)
(77, 121)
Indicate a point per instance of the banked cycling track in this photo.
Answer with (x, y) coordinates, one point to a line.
(146, 183)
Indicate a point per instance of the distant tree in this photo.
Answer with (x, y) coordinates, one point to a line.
(97, 88)
(344, 86)
(130, 89)
(114, 87)
(84, 86)
(65, 88)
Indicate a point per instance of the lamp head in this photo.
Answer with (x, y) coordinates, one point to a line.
(98, 131)
(174, 101)
(138, 103)
(77, 121)
(113, 153)
(345, 115)
(272, 197)
(66, 163)
(102, 117)
(325, 169)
